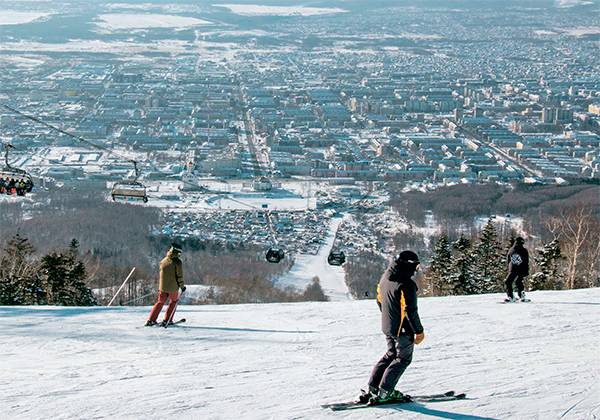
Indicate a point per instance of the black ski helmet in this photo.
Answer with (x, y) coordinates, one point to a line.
(519, 240)
(408, 257)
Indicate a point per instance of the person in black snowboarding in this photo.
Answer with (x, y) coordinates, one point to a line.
(518, 269)
(400, 322)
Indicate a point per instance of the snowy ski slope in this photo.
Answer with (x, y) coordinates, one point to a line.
(281, 361)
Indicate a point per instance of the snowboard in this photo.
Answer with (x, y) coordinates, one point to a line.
(406, 399)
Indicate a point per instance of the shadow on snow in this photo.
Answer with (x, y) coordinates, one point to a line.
(419, 408)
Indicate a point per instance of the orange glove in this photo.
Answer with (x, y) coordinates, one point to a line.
(419, 338)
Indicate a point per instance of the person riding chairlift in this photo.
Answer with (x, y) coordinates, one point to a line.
(11, 187)
(21, 191)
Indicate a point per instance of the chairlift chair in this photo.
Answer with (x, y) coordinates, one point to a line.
(130, 189)
(336, 258)
(10, 172)
(275, 255)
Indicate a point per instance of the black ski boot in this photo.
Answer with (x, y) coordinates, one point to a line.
(150, 323)
(386, 397)
(365, 396)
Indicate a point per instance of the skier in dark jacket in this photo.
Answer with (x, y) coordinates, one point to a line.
(518, 269)
(400, 322)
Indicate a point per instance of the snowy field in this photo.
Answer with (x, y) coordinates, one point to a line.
(565, 4)
(281, 361)
(123, 21)
(166, 7)
(259, 10)
(582, 31)
(11, 17)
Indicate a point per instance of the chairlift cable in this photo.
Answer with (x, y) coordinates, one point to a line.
(89, 143)
(66, 133)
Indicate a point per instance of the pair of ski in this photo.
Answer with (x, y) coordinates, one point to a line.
(180, 321)
(516, 301)
(353, 405)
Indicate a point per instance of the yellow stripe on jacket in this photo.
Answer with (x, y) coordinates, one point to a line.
(402, 306)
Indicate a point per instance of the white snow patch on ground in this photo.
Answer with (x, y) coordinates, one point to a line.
(11, 17)
(255, 201)
(123, 21)
(332, 278)
(582, 31)
(282, 361)
(24, 61)
(204, 49)
(197, 291)
(259, 10)
(564, 4)
(168, 7)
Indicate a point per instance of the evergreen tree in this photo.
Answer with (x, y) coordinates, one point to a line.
(58, 279)
(55, 272)
(33, 291)
(314, 292)
(547, 260)
(439, 272)
(488, 265)
(74, 248)
(76, 279)
(461, 279)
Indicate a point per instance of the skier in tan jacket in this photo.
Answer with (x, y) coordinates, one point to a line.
(171, 280)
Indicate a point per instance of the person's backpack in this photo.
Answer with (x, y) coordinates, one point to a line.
(515, 259)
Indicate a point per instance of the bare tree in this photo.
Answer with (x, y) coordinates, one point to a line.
(578, 230)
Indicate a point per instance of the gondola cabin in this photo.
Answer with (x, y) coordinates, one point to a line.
(336, 258)
(275, 255)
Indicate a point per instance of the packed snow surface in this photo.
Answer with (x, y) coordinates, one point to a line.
(535, 360)
(11, 17)
(259, 10)
(120, 21)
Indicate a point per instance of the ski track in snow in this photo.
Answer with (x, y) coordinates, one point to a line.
(332, 278)
(282, 361)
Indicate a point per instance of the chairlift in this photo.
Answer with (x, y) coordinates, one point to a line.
(336, 258)
(130, 190)
(8, 172)
(275, 255)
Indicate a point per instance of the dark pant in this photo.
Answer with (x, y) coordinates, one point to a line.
(519, 283)
(389, 369)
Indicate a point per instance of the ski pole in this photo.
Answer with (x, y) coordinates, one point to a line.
(174, 309)
(118, 291)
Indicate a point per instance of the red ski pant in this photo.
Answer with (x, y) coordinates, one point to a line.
(162, 299)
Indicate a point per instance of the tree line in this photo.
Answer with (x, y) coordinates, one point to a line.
(115, 237)
(57, 278)
(564, 254)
